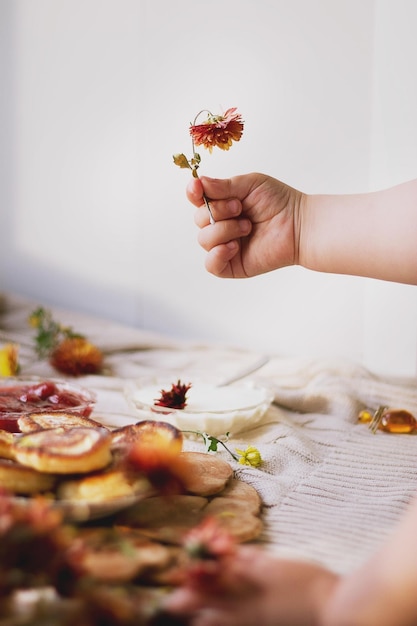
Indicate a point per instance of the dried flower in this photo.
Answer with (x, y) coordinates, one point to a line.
(175, 398)
(68, 351)
(216, 130)
(36, 548)
(76, 356)
(9, 360)
(208, 541)
(210, 549)
(251, 456)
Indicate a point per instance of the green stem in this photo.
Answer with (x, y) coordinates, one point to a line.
(194, 169)
(209, 440)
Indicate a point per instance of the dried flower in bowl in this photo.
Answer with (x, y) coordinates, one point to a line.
(174, 398)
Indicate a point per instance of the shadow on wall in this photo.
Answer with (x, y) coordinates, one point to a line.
(37, 281)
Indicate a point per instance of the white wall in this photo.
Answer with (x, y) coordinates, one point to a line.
(99, 96)
(390, 311)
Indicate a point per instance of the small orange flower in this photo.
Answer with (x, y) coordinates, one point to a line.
(76, 356)
(218, 130)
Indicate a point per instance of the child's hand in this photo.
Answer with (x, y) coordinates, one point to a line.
(256, 224)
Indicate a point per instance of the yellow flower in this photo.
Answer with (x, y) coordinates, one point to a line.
(251, 456)
(9, 363)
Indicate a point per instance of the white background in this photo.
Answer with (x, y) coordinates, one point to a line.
(96, 96)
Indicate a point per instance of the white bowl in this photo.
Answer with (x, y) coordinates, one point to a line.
(212, 409)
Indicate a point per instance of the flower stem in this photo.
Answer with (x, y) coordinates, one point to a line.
(212, 442)
(207, 203)
(195, 174)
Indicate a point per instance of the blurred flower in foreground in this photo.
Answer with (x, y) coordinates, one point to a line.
(157, 453)
(208, 541)
(250, 456)
(36, 548)
(216, 131)
(9, 360)
(209, 548)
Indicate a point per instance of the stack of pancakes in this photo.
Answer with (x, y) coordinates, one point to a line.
(74, 458)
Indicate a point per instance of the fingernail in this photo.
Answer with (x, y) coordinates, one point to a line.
(233, 206)
(244, 226)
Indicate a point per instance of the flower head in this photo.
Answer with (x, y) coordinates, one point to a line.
(218, 130)
(175, 398)
(76, 356)
(209, 540)
(251, 456)
(36, 548)
(209, 548)
(9, 360)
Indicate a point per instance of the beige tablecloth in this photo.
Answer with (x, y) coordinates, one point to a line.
(331, 489)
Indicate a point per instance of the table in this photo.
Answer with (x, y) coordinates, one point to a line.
(331, 490)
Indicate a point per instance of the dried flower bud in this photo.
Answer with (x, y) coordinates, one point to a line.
(76, 356)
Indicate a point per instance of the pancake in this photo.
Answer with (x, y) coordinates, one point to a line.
(64, 450)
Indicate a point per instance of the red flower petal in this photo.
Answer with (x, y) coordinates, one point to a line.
(218, 130)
